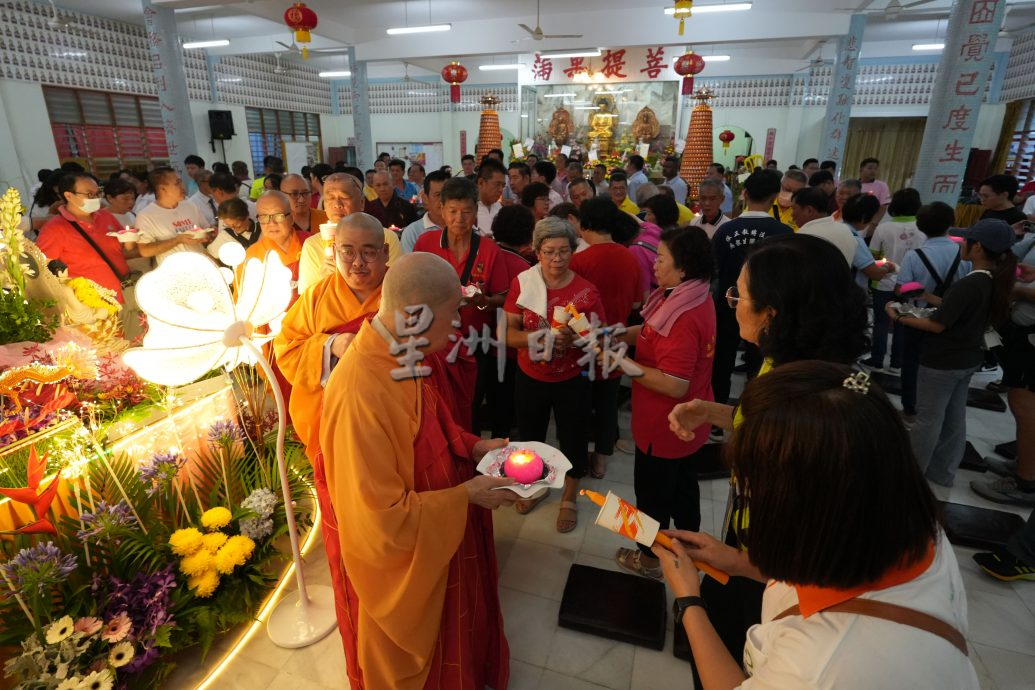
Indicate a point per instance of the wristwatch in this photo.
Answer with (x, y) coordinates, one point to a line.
(684, 603)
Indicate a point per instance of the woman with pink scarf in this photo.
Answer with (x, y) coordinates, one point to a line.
(674, 347)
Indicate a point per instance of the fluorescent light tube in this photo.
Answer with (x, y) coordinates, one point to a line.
(588, 52)
(335, 73)
(491, 68)
(928, 46)
(217, 43)
(705, 9)
(400, 30)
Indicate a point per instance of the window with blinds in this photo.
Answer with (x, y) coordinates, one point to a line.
(106, 132)
(1022, 144)
(268, 129)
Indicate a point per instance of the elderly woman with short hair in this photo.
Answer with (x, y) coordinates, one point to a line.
(552, 381)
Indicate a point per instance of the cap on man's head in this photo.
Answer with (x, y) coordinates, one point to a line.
(991, 233)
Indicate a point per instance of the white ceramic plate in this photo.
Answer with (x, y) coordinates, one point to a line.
(554, 460)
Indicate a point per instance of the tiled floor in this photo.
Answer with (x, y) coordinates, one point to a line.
(534, 561)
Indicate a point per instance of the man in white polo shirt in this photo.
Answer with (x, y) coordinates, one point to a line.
(165, 225)
(810, 215)
(491, 176)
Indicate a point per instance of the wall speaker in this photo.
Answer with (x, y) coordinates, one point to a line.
(221, 124)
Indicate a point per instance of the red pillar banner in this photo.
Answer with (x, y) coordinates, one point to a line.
(463, 142)
(770, 144)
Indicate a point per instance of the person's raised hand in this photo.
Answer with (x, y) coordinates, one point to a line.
(680, 572)
(482, 491)
(189, 239)
(707, 549)
(685, 417)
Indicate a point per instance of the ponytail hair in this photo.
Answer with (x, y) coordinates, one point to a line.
(1003, 276)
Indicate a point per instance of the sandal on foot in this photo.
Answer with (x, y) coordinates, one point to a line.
(625, 446)
(566, 524)
(633, 561)
(598, 466)
(526, 505)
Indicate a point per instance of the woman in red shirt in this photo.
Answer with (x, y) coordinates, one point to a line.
(552, 380)
(675, 347)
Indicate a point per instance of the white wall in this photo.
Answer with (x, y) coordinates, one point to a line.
(26, 140)
(236, 148)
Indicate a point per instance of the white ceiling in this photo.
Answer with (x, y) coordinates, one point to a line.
(774, 36)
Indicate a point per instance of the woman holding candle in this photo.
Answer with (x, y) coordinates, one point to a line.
(550, 379)
(795, 299)
(817, 444)
(674, 347)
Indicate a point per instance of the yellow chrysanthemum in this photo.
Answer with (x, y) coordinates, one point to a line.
(213, 540)
(235, 552)
(197, 563)
(185, 542)
(216, 518)
(204, 584)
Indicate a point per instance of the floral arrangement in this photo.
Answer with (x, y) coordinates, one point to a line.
(156, 557)
(95, 296)
(21, 319)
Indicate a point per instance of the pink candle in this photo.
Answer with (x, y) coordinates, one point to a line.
(523, 466)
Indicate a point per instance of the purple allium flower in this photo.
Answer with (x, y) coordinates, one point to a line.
(161, 470)
(225, 432)
(39, 567)
(108, 518)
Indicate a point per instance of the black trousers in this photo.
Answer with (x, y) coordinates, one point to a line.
(912, 341)
(727, 341)
(498, 413)
(732, 609)
(604, 427)
(667, 489)
(569, 401)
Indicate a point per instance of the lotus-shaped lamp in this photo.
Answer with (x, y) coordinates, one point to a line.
(194, 325)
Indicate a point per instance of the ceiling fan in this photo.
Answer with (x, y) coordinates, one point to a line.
(537, 34)
(295, 48)
(280, 68)
(893, 9)
(60, 22)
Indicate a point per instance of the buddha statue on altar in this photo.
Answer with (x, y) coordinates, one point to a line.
(601, 129)
(645, 127)
(561, 126)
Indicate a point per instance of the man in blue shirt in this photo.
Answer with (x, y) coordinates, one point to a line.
(934, 220)
(404, 189)
(716, 171)
(432, 220)
(634, 169)
(670, 169)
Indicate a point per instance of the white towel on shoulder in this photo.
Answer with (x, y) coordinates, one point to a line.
(533, 291)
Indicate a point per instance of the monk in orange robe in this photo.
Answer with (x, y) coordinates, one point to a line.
(273, 209)
(420, 565)
(311, 340)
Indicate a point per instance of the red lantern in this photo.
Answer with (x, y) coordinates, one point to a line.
(455, 74)
(726, 137)
(302, 20)
(687, 66)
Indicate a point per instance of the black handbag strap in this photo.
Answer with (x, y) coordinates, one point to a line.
(97, 249)
(472, 254)
(941, 284)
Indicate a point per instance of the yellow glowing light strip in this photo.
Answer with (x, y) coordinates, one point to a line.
(268, 605)
(136, 429)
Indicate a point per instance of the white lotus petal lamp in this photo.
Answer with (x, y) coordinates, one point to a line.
(194, 326)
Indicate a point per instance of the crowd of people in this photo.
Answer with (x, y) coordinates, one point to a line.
(496, 264)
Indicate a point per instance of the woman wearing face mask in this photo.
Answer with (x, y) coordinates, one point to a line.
(78, 235)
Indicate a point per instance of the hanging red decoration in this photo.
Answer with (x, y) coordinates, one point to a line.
(689, 64)
(455, 74)
(726, 137)
(302, 20)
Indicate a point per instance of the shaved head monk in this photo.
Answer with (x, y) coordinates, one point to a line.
(420, 565)
(342, 195)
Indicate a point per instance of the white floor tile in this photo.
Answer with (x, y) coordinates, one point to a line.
(552, 680)
(1000, 620)
(1008, 670)
(529, 622)
(538, 569)
(524, 676)
(591, 658)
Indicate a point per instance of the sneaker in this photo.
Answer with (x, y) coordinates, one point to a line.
(632, 560)
(873, 363)
(1003, 490)
(987, 368)
(1004, 468)
(1002, 565)
(909, 419)
(718, 435)
(894, 371)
